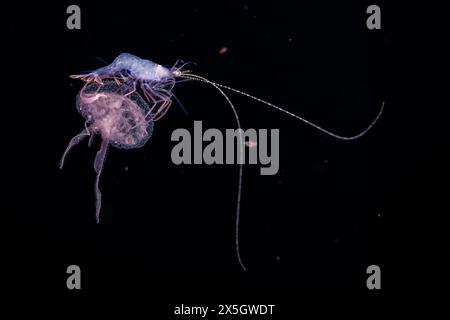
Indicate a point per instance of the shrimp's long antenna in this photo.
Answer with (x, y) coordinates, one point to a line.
(180, 104)
(101, 60)
(218, 86)
(334, 135)
(241, 162)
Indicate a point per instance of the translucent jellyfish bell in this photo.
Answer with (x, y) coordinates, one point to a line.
(119, 115)
(116, 113)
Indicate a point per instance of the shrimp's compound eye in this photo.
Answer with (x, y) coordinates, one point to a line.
(177, 73)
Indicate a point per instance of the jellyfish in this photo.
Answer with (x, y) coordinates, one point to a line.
(118, 115)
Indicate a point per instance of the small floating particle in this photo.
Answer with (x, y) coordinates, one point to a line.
(223, 50)
(250, 143)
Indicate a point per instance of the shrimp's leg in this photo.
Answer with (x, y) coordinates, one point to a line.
(159, 100)
(133, 90)
(74, 141)
(98, 166)
(116, 81)
(150, 97)
(163, 108)
(161, 111)
(79, 76)
(88, 78)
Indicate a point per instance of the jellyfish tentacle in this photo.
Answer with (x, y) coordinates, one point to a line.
(91, 139)
(98, 166)
(73, 142)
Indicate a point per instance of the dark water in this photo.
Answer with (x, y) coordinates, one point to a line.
(168, 230)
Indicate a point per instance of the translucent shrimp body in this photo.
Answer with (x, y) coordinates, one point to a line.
(138, 68)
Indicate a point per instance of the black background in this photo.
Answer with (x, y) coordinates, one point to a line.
(167, 231)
